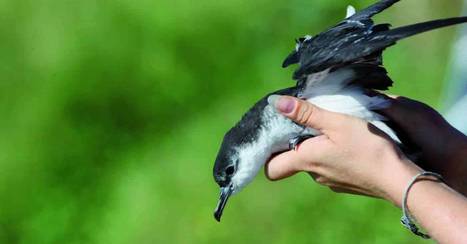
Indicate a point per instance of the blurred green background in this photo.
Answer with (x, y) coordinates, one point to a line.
(112, 113)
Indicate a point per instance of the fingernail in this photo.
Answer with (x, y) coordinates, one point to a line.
(283, 104)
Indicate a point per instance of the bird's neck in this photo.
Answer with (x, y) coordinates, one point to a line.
(273, 137)
(278, 130)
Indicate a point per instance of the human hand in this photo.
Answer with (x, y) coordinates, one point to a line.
(350, 156)
(353, 156)
(443, 148)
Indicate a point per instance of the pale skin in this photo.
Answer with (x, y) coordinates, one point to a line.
(352, 156)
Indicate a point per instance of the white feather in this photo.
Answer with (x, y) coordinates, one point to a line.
(350, 11)
(333, 93)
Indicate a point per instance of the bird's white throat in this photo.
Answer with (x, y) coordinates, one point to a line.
(272, 137)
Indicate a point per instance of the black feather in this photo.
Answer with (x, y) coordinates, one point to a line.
(381, 27)
(372, 10)
(293, 58)
(370, 76)
(410, 30)
(349, 43)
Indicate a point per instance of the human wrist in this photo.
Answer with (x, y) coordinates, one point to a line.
(407, 218)
(399, 173)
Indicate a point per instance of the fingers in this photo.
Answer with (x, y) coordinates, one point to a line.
(306, 113)
(283, 165)
(289, 163)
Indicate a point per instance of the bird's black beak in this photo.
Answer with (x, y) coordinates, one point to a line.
(225, 194)
(293, 58)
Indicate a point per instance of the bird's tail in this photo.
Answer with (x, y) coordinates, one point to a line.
(410, 30)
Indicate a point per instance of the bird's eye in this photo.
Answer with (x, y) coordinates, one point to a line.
(230, 170)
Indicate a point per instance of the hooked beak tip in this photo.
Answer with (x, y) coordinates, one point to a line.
(217, 216)
(225, 194)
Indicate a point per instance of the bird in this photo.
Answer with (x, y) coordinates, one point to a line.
(337, 70)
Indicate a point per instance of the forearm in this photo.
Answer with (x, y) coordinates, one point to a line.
(441, 211)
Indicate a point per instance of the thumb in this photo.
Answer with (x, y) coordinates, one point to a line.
(305, 113)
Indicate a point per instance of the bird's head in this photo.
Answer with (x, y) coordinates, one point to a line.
(294, 57)
(247, 146)
(224, 171)
(239, 160)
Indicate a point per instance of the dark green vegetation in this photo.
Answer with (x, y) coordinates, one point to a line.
(113, 112)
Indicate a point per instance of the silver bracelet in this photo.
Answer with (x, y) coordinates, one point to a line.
(406, 219)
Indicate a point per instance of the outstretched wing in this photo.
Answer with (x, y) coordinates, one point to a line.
(356, 25)
(359, 20)
(357, 47)
(330, 48)
(372, 10)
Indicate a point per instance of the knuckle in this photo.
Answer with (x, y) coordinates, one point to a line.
(307, 165)
(303, 112)
(311, 115)
(311, 166)
(298, 116)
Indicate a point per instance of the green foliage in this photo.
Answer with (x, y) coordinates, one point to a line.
(113, 111)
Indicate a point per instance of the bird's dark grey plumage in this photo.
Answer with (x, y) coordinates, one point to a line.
(356, 39)
(336, 70)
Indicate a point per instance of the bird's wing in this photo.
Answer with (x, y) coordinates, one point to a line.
(358, 20)
(370, 76)
(363, 75)
(325, 49)
(357, 47)
(410, 30)
(372, 10)
(378, 41)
